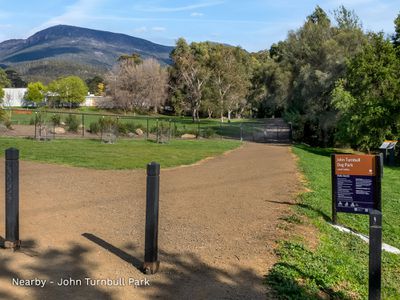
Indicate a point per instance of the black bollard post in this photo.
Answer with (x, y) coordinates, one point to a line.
(12, 199)
(151, 262)
(375, 255)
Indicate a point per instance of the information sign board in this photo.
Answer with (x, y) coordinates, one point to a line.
(354, 184)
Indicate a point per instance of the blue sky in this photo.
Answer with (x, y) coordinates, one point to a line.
(252, 24)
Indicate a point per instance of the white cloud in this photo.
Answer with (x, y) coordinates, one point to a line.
(75, 14)
(140, 29)
(196, 14)
(158, 28)
(178, 8)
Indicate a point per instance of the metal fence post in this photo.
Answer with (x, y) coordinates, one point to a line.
(151, 262)
(375, 255)
(83, 125)
(12, 199)
(35, 123)
(147, 130)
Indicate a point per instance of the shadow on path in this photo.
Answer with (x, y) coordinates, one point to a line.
(114, 250)
(52, 265)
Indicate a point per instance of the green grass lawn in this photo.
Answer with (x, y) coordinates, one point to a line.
(338, 268)
(125, 154)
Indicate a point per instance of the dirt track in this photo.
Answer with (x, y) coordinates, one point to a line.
(217, 228)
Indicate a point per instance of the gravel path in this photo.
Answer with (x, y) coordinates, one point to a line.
(217, 228)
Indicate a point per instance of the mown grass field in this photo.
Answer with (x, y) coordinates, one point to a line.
(338, 267)
(125, 154)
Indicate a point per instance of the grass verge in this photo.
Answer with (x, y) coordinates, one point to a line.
(125, 154)
(338, 267)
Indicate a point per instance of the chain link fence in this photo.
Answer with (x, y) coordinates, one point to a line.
(46, 125)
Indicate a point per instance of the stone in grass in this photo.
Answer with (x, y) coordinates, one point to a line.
(139, 132)
(58, 130)
(130, 134)
(188, 136)
(3, 128)
(109, 138)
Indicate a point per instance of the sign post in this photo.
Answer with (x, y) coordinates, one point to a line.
(356, 188)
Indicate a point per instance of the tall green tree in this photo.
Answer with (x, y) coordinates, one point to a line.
(396, 36)
(190, 73)
(4, 81)
(368, 97)
(305, 68)
(15, 79)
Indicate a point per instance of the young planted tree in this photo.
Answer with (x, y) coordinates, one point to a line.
(35, 92)
(71, 90)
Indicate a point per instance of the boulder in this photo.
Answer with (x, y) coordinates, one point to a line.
(139, 132)
(62, 123)
(188, 136)
(3, 128)
(131, 134)
(58, 130)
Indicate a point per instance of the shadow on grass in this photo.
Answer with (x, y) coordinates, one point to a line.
(315, 150)
(288, 282)
(306, 207)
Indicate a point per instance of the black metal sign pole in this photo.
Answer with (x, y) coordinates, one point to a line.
(334, 213)
(375, 255)
(12, 199)
(151, 262)
(378, 183)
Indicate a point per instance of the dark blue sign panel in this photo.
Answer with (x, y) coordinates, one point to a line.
(354, 194)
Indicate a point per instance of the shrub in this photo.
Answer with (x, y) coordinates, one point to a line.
(55, 119)
(107, 124)
(94, 127)
(72, 123)
(208, 133)
(122, 128)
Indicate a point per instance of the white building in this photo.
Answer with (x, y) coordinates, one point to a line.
(13, 97)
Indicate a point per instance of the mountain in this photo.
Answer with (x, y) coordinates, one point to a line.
(88, 51)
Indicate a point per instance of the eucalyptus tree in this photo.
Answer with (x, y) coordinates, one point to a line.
(191, 73)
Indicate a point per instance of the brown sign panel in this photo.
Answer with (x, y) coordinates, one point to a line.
(349, 164)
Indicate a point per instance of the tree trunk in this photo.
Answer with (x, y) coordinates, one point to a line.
(210, 112)
(194, 114)
(229, 115)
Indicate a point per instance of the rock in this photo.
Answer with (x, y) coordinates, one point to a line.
(188, 136)
(131, 134)
(58, 130)
(62, 123)
(109, 138)
(139, 132)
(3, 128)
